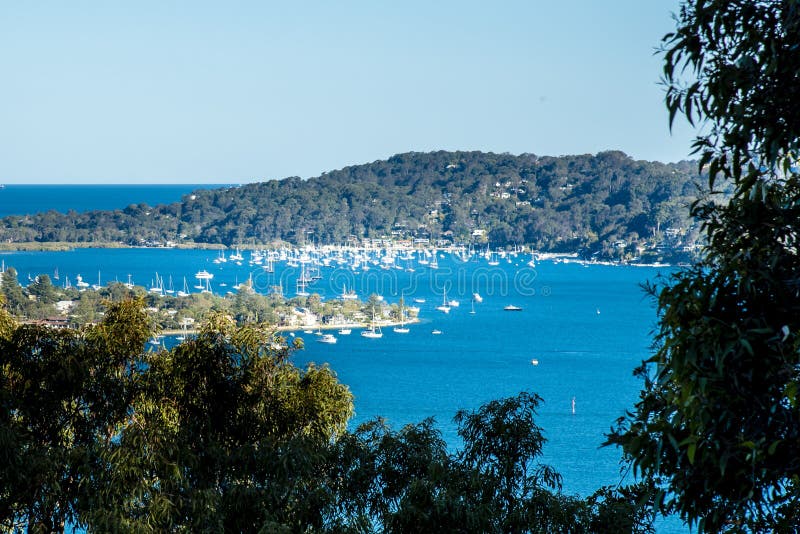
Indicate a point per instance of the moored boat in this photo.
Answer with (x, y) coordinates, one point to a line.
(327, 338)
(374, 331)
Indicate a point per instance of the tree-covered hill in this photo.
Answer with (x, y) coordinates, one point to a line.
(607, 203)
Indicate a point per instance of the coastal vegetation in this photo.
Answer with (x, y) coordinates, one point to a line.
(224, 433)
(605, 205)
(41, 300)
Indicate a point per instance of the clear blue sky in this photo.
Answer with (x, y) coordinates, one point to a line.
(217, 92)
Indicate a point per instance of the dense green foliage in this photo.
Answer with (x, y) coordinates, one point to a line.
(718, 423)
(568, 203)
(63, 396)
(98, 432)
(224, 434)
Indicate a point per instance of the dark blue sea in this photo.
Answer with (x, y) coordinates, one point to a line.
(581, 331)
(25, 199)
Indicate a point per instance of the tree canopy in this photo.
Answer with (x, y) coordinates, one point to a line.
(718, 423)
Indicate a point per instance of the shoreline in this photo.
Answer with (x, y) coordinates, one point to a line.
(302, 328)
(65, 246)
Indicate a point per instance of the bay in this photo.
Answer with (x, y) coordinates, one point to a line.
(585, 326)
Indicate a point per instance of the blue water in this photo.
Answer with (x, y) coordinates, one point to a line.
(587, 326)
(27, 199)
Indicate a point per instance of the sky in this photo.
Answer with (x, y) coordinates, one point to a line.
(170, 91)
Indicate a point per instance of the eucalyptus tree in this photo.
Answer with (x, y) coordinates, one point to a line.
(222, 432)
(226, 435)
(718, 422)
(410, 481)
(64, 394)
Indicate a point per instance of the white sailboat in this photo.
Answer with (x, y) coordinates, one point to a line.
(348, 294)
(302, 281)
(201, 277)
(97, 286)
(374, 331)
(237, 256)
(170, 289)
(444, 307)
(185, 291)
(158, 286)
(402, 329)
(185, 323)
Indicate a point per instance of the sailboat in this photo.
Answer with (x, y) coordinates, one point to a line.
(434, 263)
(170, 290)
(158, 286)
(185, 291)
(237, 256)
(185, 323)
(402, 329)
(373, 331)
(444, 307)
(348, 295)
(270, 265)
(97, 286)
(221, 258)
(204, 276)
(472, 311)
(302, 282)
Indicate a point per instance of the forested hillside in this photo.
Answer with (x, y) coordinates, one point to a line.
(606, 203)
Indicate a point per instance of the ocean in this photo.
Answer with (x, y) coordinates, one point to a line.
(581, 331)
(18, 199)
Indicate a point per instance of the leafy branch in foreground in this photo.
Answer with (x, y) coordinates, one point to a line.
(718, 423)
